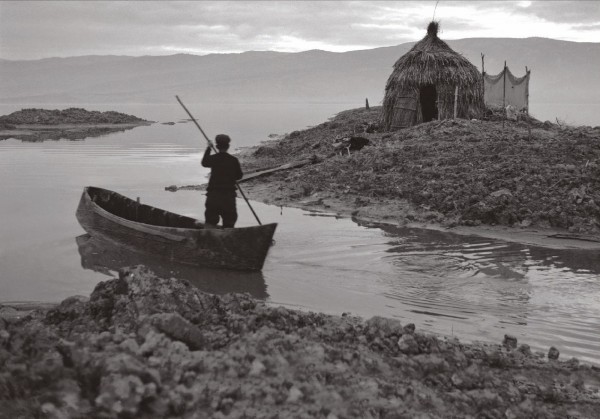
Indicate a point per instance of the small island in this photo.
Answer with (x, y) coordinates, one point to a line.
(525, 180)
(34, 124)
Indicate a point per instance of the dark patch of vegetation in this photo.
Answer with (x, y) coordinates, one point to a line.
(67, 116)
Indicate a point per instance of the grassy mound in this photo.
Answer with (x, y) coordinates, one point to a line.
(463, 172)
(67, 116)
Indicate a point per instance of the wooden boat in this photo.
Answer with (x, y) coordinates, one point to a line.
(172, 236)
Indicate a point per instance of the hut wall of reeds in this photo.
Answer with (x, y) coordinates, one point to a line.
(428, 81)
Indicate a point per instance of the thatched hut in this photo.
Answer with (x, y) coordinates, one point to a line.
(423, 85)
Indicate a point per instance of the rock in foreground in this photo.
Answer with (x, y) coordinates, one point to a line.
(147, 347)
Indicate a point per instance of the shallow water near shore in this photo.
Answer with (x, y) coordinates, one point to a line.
(470, 287)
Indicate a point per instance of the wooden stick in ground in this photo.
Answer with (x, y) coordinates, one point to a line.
(455, 101)
(215, 150)
(504, 96)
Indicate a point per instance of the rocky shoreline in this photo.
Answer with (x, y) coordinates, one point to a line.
(147, 347)
(35, 125)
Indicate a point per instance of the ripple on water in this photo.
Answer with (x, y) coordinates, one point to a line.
(547, 296)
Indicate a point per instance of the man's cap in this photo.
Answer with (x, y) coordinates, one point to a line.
(222, 140)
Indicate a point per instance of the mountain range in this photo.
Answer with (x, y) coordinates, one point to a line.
(561, 72)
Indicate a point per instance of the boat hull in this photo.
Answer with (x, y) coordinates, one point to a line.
(172, 236)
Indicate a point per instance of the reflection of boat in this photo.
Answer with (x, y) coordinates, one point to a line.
(106, 256)
(174, 237)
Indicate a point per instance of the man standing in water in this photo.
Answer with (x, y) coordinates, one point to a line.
(220, 196)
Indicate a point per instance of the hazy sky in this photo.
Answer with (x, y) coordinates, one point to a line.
(31, 30)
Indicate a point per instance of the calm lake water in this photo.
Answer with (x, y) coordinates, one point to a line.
(470, 287)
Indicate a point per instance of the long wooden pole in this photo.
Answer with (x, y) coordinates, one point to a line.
(527, 94)
(215, 150)
(483, 78)
(504, 86)
(504, 96)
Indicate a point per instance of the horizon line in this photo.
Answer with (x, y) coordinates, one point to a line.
(274, 51)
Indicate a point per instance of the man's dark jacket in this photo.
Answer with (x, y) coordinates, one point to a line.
(225, 170)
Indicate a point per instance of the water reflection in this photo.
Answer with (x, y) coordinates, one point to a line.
(480, 255)
(106, 256)
(472, 275)
(75, 133)
(548, 296)
(581, 261)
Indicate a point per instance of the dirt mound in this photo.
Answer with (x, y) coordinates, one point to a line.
(515, 173)
(146, 347)
(67, 116)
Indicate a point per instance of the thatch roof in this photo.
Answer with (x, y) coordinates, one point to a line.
(432, 62)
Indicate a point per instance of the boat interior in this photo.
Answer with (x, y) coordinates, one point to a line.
(131, 210)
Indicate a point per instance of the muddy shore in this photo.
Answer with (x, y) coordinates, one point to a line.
(146, 347)
(400, 212)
